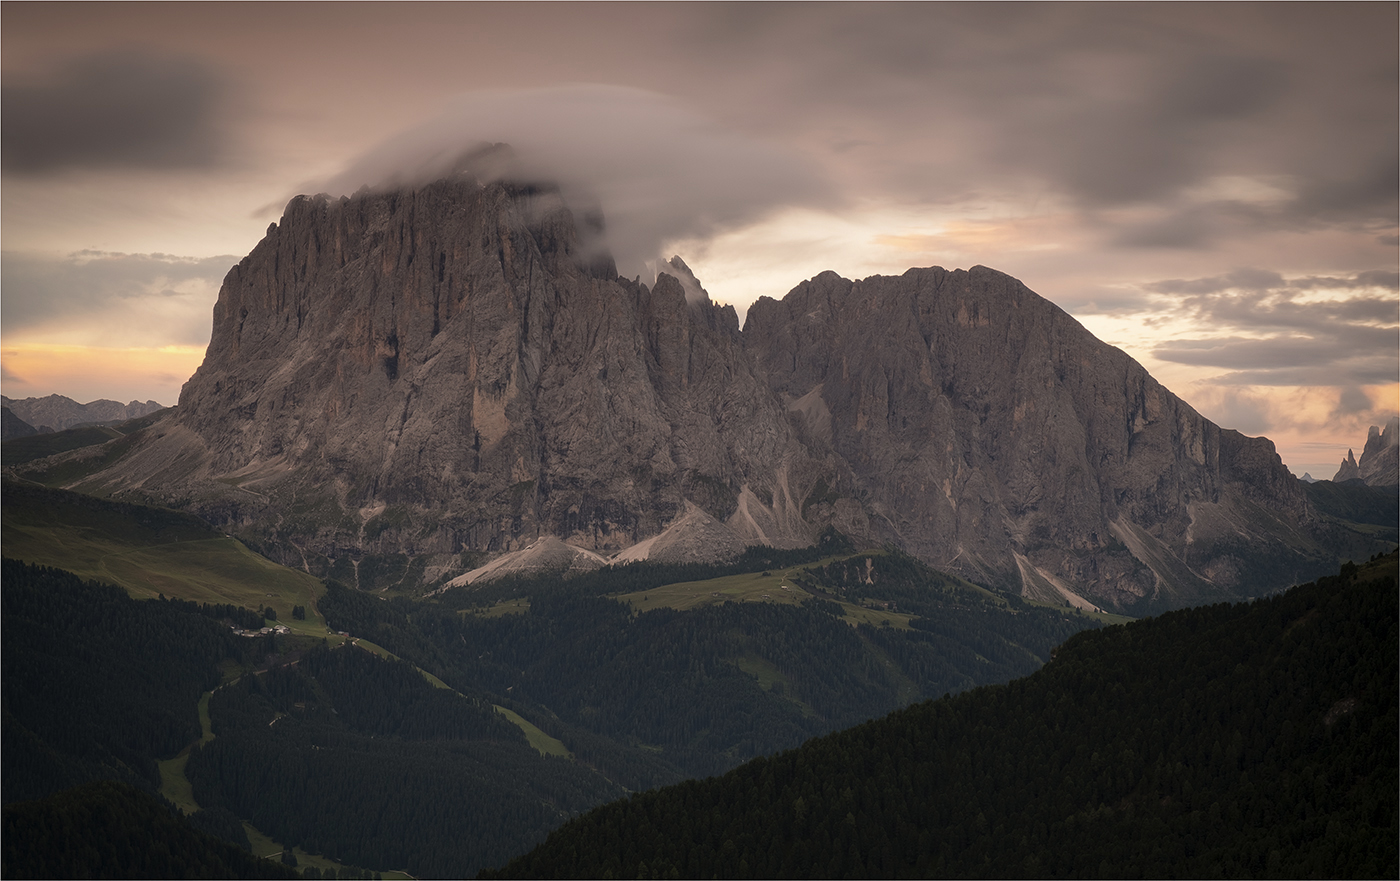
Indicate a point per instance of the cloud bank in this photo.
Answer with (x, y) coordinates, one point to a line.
(659, 171)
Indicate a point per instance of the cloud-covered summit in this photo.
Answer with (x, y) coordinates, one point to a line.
(659, 171)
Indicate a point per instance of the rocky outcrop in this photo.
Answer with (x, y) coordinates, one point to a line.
(1380, 458)
(419, 374)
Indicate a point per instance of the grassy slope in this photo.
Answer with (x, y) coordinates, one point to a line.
(27, 449)
(778, 586)
(149, 551)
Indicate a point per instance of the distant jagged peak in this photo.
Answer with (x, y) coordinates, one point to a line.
(1379, 464)
(58, 412)
(1348, 469)
(1378, 438)
(677, 269)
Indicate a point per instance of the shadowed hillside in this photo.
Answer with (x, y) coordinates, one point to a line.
(1225, 741)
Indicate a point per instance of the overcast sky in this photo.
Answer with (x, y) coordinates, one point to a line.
(1211, 187)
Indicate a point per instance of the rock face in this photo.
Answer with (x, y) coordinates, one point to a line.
(423, 372)
(1380, 458)
(987, 431)
(413, 375)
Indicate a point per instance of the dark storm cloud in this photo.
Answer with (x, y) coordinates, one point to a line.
(1262, 355)
(1108, 105)
(1353, 400)
(121, 109)
(1192, 228)
(40, 288)
(1149, 141)
(1240, 279)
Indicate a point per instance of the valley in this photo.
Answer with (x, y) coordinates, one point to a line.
(749, 682)
(1226, 741)
(459, 546)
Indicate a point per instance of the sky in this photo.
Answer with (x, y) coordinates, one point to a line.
(1211, 187)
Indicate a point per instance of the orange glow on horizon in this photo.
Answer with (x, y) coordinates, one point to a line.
(87, 373)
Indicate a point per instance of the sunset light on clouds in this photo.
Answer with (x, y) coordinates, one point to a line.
(1211, 187)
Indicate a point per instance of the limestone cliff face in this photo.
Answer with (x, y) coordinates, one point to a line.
(989, 432)
(444, 369)
(440, 375)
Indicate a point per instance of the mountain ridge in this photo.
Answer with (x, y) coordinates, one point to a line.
(419, 374)
(58, 412)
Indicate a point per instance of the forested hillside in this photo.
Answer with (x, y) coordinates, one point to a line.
(97, 685)
(353, 756)
(112, 830)
(1257, 739)
(333, 752)
(656, 696)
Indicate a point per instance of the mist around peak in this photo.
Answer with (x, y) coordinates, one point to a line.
(657, 171)
(675, 267)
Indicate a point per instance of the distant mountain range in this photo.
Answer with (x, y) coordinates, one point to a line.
(429, 380)
(55, 413)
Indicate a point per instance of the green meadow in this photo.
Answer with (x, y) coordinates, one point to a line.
(151, 551)
(773, 586)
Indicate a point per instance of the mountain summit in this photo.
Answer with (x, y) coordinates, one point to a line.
(403, 385)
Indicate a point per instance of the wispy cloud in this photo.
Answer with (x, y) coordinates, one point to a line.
(110, 298)
(1268, 330)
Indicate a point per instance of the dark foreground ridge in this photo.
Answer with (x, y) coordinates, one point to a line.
(109, 829)
(1256, 739)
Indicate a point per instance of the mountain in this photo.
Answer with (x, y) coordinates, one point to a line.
(14, 427)
(56, 412)
(1250, 740)
(401, 384)
(987, 431)
(1380, 458)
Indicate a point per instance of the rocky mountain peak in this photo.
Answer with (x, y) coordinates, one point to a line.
(1349, 470)
(1380, 457)
(694, 291)
(405, 376)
